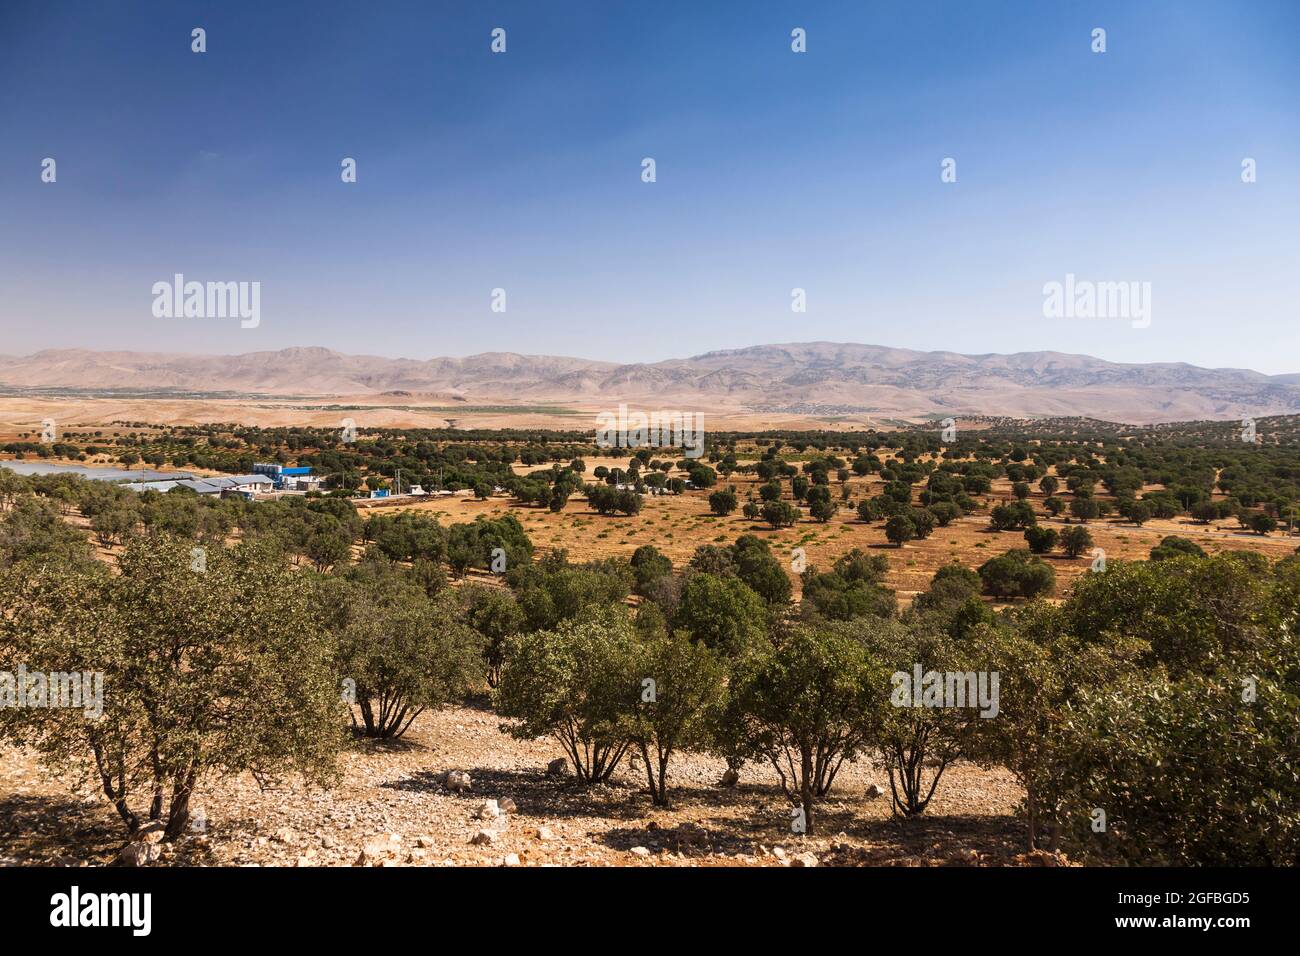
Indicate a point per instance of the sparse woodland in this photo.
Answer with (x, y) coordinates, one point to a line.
(1162, 692)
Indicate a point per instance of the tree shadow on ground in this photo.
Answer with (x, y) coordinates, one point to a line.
(958, 839)
(57, 831)
(534, 793)
(359, 743)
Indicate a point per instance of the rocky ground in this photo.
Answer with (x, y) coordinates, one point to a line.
(396, 806)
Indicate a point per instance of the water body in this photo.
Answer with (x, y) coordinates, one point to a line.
(93, 474)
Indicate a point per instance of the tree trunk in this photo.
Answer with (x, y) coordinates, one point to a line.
(178, 814)
(806, 791)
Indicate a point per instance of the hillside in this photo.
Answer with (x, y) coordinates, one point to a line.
(811, 380)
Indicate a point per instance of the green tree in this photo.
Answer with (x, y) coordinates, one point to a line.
(681, 686)
(219, 671)
(495, 614)
(780, 514)
(404, 651)
(1017, 574)
(805, 705)
(899, 529)
(1040, 540)
(723, 502)
(1075, 540)
(577, 684)
(721, 612)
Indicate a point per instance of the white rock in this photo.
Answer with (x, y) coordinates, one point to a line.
(151, 832)
(512, 859)
(639, 851)
(487, 810)
(458, 781)
(138, 854)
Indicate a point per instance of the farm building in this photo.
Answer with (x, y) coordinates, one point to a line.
(297, 478)
(223, 484)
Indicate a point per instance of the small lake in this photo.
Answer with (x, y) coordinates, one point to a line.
(93, 474)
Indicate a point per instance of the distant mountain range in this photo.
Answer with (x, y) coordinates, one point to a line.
(815, 379)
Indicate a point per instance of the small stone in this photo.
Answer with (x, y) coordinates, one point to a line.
(284, 835)
(458, 781)
(138, 854)
(508, 806)
(804, 859)
(484, 838)
(690, 834)
(487, 810)
(779, 852)
(512, 859)
(546, 834)
(151, 832)
(639, 851)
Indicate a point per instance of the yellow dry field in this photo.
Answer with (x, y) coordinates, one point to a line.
(678, 524)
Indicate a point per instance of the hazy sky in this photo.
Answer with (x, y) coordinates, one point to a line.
(775, 170)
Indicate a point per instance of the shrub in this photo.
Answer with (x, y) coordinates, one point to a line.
(1017, 574)
(900, 529)
(649, 565)
(1172, 546)
(852, 588)
(723, 502)
(721, 612)
(1040, 540)
(406, 652)
(780, 514)
(1224, 793)
(1075, 541)
(577, 684)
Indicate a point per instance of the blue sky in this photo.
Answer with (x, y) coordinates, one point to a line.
(775, 170)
